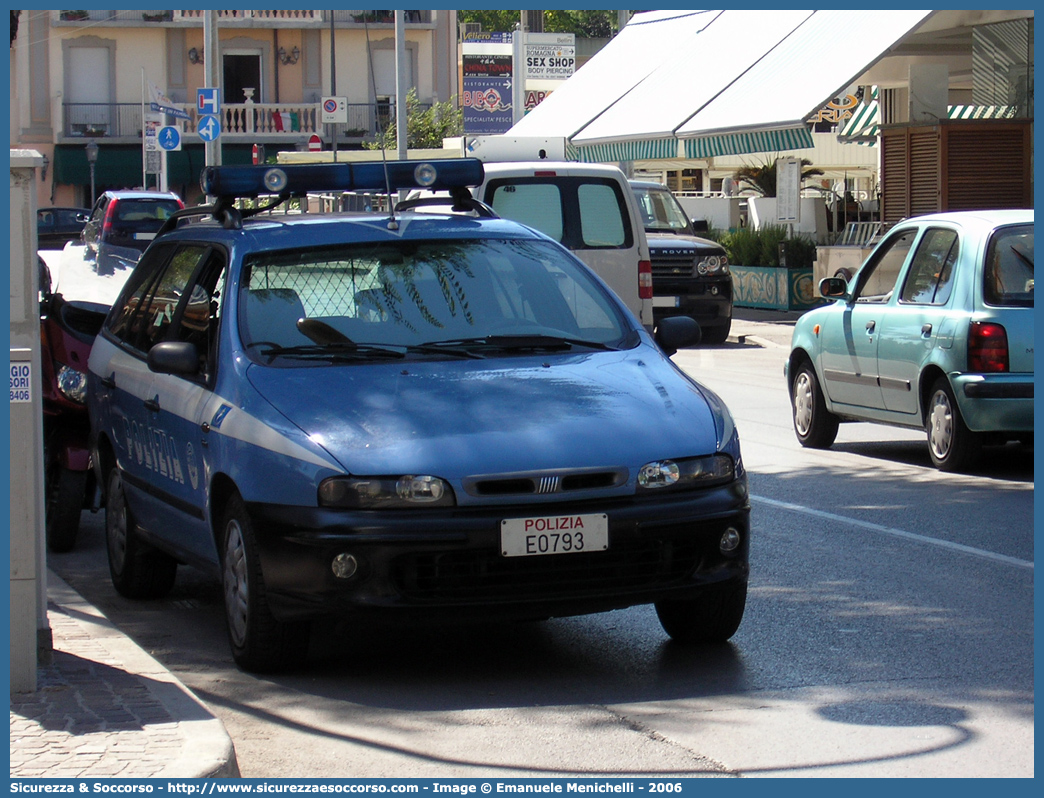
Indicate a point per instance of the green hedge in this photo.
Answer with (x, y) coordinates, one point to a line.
(747, 247)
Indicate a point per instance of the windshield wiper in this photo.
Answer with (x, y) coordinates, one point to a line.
(350, 350)
(439, 349)
(520, 342)
(338, 351)
(1022, 256)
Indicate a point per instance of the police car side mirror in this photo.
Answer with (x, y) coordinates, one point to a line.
(174, 357)
(677, 332)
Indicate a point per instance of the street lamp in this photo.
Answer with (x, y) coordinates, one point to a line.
(92, 158)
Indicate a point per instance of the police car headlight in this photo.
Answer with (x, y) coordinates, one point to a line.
(686, 474)
(72, 384)
(386, 493)
(713, 264)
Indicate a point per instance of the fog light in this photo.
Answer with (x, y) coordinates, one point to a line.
(729, 541)
(344, 566)
(714, 290)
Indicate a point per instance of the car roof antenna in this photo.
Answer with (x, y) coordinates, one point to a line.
(393, 224)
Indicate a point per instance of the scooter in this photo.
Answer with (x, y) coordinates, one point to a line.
(67, 331)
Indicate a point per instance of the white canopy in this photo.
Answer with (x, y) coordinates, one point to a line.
(701, 83)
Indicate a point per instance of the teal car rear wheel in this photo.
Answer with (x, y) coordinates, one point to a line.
(952, 446)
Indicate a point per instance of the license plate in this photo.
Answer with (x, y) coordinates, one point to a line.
(554, 534)
(144, 236)
(666, 301)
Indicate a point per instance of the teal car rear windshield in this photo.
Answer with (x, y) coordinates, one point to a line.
(1008, 276)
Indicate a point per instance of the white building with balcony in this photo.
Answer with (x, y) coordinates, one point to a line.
(82, 76)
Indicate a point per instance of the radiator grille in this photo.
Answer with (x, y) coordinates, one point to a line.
(473, 575)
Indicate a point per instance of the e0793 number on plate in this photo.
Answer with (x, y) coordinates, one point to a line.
(567, 534)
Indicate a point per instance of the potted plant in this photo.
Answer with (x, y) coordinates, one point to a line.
(69, 16)
(770, 268)
(157, 16)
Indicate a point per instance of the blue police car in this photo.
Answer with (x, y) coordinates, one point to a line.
(442, 415)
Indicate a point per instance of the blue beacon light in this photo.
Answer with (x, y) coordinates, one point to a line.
(296, 180)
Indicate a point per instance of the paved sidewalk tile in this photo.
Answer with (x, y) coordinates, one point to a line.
(104, 708)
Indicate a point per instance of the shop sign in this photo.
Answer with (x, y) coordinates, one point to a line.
(836, 111)
(487, 105)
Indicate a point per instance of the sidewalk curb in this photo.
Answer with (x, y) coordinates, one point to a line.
(757, 340)
(207, 750)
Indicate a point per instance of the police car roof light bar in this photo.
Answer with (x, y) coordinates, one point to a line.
(298, 180)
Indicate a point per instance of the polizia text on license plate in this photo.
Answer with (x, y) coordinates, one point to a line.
(556, 534)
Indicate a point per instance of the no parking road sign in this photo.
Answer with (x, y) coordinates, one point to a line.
(335, 110)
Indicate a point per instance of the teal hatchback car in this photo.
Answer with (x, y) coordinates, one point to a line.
(935, 331)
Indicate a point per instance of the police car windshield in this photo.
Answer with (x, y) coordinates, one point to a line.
(421, 298)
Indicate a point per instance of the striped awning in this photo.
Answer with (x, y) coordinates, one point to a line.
(981, 112)
(627, 151)
(797, 138)
(865, 124)
(723, 82)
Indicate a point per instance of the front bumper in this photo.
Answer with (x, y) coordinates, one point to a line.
(449, 562)
(707, 301)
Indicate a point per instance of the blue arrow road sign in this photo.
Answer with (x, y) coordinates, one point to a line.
(209, 128)
(169, 138)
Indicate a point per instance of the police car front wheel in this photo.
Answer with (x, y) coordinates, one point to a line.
(714, 617)
(259, 642)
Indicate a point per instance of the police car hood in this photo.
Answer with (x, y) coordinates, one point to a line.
(460, 418)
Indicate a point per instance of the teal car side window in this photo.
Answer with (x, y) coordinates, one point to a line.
(929, 280)
(877, 279)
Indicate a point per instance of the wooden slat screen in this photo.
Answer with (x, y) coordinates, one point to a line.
(956, 165)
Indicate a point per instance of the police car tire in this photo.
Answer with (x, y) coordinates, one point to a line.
(260, 643)
(65, 489)
(138, 571)
(713, 617)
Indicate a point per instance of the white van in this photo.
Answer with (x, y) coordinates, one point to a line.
(589, 208)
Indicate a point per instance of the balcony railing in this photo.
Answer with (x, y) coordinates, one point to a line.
(257, 18)
(98, 120)
(243, 122)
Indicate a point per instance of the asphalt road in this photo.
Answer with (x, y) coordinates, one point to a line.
(889, 632)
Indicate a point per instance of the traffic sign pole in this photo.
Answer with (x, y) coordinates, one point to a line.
(212, 74)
